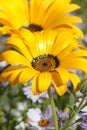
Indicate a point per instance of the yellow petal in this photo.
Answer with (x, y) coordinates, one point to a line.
(4, 19)
(5, 29)
(30, 41)
(26, 75)
(41, 83)
(45, 40)
(44, 81)
(39, 43)
(13, 11)
(74, 54)
(13, 57)
(35, 90)
(63, 40)
(58, 84)
(38, 8)
(18, 44)
(54, 22)
(68, 1)
(72, 7)
(64, 52)
(14, 78)
(60, 89)
(75, 31)
(82, 47)
(64, 75)
(75, 80)
(55, 15)
(70, 19)
(79, 63)
(11, 70)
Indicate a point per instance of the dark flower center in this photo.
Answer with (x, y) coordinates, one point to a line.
(34, 27)
(45, 62)
(44, 122)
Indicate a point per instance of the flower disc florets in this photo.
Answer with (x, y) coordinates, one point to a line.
(46, 62)
(43, 123)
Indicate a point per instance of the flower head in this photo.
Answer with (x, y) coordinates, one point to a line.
(40, 120)
(37, 15)
(46, 58)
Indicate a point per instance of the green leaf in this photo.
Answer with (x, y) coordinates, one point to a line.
(71, 100)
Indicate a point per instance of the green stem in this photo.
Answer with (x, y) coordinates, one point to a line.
(53, 109)
(73, 115)
(9, 126)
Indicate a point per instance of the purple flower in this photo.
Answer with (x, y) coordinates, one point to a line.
(84, 125)
(83, 115)
(85, 39)
(62, 117)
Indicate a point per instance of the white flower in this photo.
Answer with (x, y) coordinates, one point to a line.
(28, 92)
(39, 120)
(84, 109)
(19, 110)
(20, 126)
(21, 106)
(3, 64)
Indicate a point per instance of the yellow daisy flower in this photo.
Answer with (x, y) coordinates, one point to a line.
(45, 58)
(37, 15)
